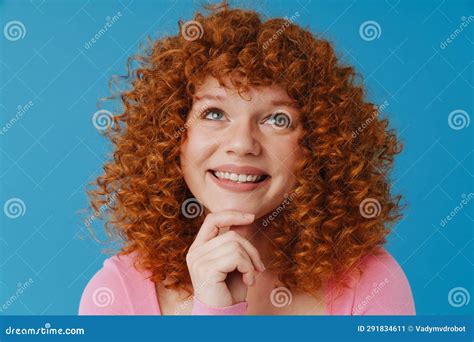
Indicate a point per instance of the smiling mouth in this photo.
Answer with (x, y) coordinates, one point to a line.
(239, 178)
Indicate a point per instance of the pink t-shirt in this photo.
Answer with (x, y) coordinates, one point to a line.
(382, 288)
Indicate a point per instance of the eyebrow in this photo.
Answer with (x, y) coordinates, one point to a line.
(286, 103)
(209, 97)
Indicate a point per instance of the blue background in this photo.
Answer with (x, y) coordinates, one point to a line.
(53, 150)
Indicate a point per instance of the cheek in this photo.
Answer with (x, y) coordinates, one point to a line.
(285, 151)
(285, 155)
(195, 149)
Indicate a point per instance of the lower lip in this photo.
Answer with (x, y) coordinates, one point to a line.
(237, 187)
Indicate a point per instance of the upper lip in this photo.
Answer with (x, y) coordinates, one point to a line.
(245, 169)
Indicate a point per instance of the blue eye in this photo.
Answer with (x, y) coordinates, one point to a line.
(213, 115)
(280, 120)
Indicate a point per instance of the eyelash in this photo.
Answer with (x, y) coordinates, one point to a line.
(216, 110)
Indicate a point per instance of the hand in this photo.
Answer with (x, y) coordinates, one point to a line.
(223, 266)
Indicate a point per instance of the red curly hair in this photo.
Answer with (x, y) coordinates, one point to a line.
(321, 234)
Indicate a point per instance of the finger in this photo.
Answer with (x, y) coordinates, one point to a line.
(232, 261)
(233, 249)
(215, 244)
(214, 221)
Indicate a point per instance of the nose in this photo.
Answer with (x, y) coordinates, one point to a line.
(242, 139)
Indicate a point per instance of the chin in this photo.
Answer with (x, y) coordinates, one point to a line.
(216, 202)
(224, 205)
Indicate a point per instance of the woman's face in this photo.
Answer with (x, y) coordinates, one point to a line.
(240, 152)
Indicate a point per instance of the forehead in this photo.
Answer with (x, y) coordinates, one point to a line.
(211, 88)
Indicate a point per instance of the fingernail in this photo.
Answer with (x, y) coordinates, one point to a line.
(249, 216)
(262, 266)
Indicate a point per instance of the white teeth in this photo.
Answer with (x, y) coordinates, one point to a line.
(239, 178)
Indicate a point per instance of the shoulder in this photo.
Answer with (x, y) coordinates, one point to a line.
(382, 287)
(114, 289)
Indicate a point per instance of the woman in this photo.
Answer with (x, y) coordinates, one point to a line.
(250, 176)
